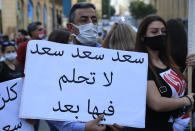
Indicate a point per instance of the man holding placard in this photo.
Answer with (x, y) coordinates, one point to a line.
(83, 26)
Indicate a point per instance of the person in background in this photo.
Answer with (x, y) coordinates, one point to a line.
(100, 38)
(165, 98)
(21, 36)
(83, 27)
(1, 43)
(121, 37)
(5, 38)
(60, 36)
(178, 42)
(178, 45)
(63, 37)
(8, 69)
(104, 33)
(178, 50)
(34, 30)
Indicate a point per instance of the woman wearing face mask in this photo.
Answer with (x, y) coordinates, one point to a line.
(166, 85)
(8, 70)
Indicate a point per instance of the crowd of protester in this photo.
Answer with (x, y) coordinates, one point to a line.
(165, 43)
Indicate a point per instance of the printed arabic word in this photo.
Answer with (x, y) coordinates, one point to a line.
(67, 108)
(48, 51)
(81, 79)
(4, 100)
(88, 54)
(127, 58)
(95, 113)
(16, 127)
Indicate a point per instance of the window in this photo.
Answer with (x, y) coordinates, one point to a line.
(20, 14)
(38, 10)
(44, 16)
(30, 11)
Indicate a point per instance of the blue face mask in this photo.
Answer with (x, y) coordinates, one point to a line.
(10, 56)
(88, 34)
(156, 42)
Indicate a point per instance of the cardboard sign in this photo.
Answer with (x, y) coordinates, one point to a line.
(10, 94)
(78, 83)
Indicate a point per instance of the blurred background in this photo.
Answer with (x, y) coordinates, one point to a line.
(53, 14)
(17, 14)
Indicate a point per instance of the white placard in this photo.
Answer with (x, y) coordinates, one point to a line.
(10, 94)
(77, 83)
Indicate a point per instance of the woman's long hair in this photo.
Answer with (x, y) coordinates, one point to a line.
(164, 54)
(121, 38)
(178, 42)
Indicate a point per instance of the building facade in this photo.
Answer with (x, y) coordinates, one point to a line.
(17, 14)
(168, 9)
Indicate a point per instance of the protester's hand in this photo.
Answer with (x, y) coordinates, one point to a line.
(93, 125)
(190, 60)
(189, 100)
(116, 127)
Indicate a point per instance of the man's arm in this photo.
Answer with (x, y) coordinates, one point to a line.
(67, 125)
(92, 125)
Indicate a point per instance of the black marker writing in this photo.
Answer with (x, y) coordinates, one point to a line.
(127, 58)
(109, 81)
(46, 50)
(4, 101)
(16, 127)
(95, 113)
(67, 108)
(88, 54)
(79, 79)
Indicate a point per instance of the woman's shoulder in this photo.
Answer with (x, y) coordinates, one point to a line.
(156, 70)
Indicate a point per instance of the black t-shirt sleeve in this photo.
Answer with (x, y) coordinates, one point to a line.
(150, 74)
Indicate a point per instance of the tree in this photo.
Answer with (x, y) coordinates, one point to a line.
(112, 10)
(107, 10)
(139, 9)
(81, 1)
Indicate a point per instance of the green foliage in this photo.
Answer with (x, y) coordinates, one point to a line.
(112, 10)
(81, 1)
(139, 9)
(98, 14)
(105, 7)
(107, 10)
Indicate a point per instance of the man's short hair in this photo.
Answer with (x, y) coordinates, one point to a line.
(23, 32)
(33, 26)
(79, 5)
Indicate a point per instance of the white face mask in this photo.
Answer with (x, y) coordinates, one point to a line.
(10, 56)
(87, 34)
(41, 36)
